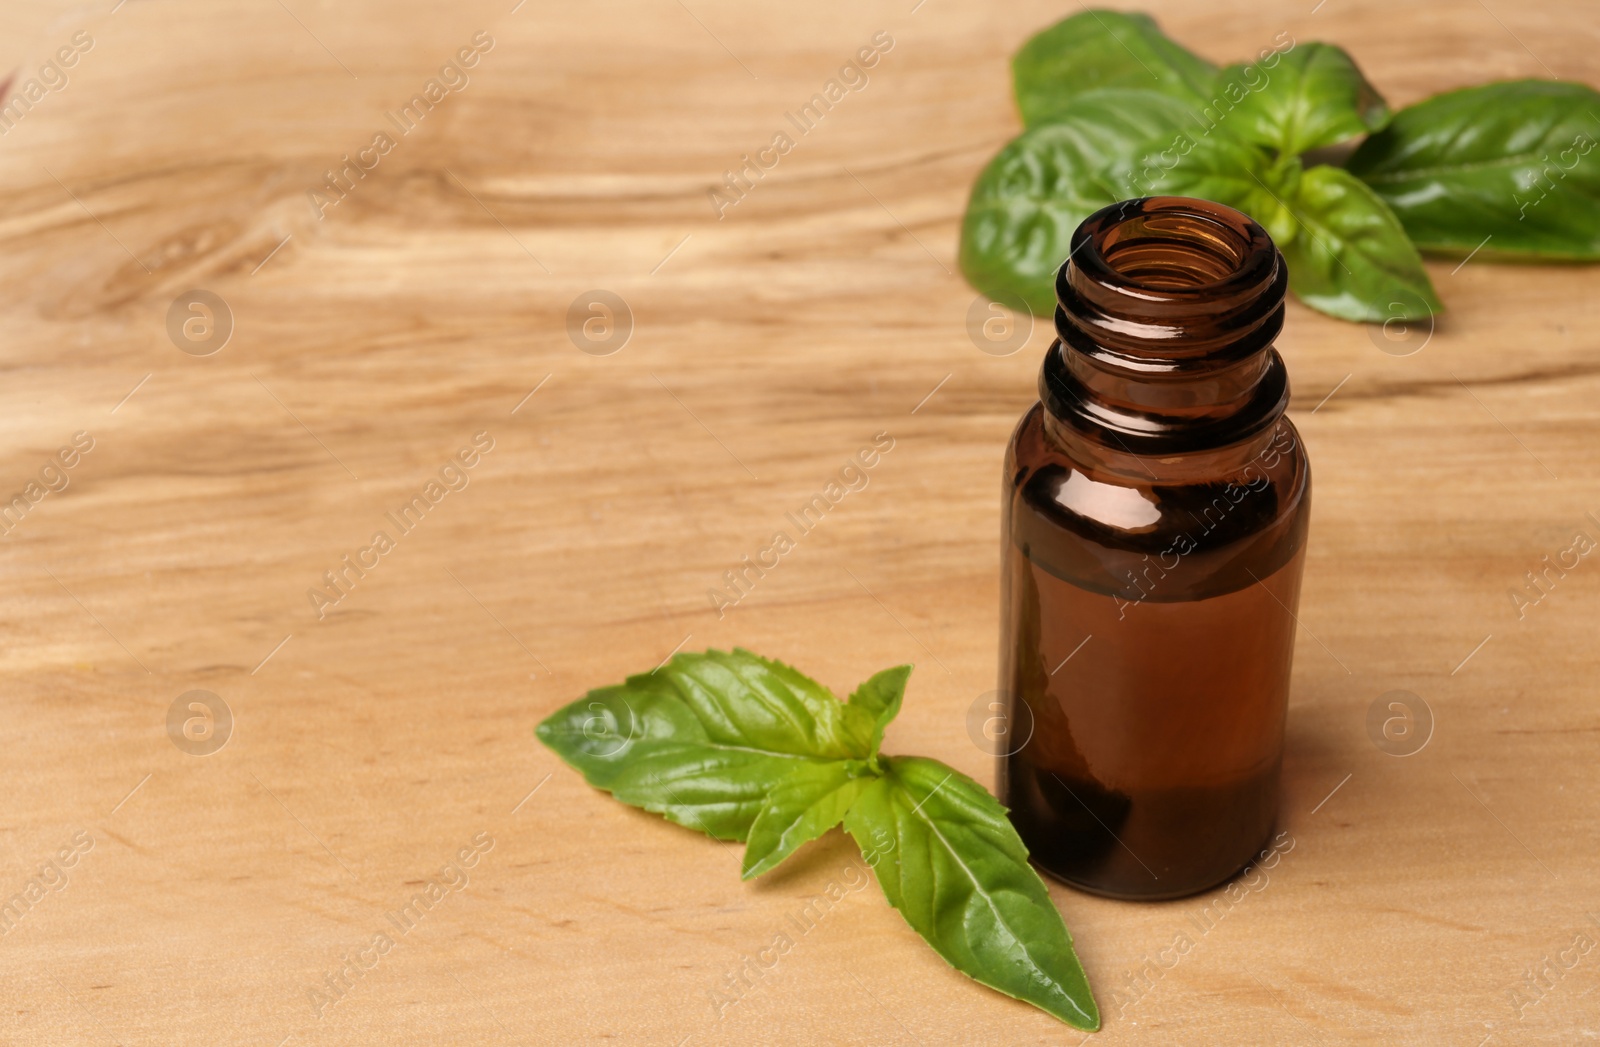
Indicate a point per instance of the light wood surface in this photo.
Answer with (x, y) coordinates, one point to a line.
(371, 746)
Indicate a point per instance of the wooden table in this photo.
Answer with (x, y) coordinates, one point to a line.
(1446, 897)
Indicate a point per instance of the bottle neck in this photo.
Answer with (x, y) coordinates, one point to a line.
(1168, 311)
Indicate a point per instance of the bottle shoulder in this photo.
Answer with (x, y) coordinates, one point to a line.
(1232, 516)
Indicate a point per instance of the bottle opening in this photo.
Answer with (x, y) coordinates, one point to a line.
(1173, 244)
(1173, 250)
(1168, 273)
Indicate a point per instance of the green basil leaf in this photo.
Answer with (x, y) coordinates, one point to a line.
(1216, 167)
(1099, 49)
(1311, 96)
(704, 739)
(1504, 167)
(880, 698)
(960, 876)
(806, 804)
(746, 699)
(1034, 193)
(1351, 258)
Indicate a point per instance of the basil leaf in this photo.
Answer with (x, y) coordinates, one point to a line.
(806, 804)
(746, 699)
(1034, 193)
(1099, 49)
(1351, 258)
(960, 876)
(1313, 95)
(704, 739)
(880, 698)
(1215, 167)
(1504, 167)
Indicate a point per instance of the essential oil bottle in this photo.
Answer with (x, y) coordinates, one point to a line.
(1156, 503)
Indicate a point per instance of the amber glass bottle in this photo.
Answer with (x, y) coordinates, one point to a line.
(1156, 504)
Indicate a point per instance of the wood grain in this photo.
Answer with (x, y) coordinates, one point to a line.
(372, 745)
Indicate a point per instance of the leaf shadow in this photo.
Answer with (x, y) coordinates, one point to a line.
(829, 854)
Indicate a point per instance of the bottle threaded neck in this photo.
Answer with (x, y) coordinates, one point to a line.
(1168, 308)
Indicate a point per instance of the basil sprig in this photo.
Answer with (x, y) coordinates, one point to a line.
(1114, 109)
(746, 748)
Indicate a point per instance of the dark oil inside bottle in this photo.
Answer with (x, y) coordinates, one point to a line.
(1156, 509)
